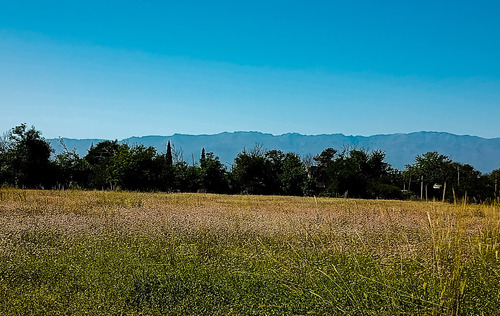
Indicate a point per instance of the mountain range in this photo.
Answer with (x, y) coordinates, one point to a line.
(400, 149)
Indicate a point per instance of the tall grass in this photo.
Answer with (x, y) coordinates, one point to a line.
(77, 252)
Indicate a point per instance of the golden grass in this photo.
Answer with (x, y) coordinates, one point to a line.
(443, 246)
(380, 227)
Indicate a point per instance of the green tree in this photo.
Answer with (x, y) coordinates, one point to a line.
(383, 181)
(99, 159)
(293, 175)
(273, 167)
(350, 173)
(132, 168)
(6, 174)
(25, 158)
(271, 172)
(435, 168)
(102, 152)
(250, 173)
(166, 175)
(116, 165)
(459, 180)
(323, 173)
(186, 178)
(495, 182)
(203, 155)
(72, 171)
(467, 181)
(431, 168)
(213, 174)
(353, 173)
(168, 155)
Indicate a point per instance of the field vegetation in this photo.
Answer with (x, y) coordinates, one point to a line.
(123, 253)
(28, 161)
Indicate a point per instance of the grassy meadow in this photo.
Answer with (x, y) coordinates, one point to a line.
(124, 253)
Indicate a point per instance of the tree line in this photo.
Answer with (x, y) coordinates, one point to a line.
(27, 160)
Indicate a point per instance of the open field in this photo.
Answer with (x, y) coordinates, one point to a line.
(90, 252)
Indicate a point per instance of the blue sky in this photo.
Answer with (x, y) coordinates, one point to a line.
(115, 69)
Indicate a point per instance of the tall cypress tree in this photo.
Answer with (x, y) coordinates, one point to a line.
(203, 158)
(169, 154)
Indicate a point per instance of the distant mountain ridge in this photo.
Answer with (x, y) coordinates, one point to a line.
(400, 149)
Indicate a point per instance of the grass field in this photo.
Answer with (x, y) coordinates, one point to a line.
(98, 253)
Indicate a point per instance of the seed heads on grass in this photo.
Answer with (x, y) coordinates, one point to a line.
(131, 252)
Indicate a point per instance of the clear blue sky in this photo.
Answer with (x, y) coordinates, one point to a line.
(114, 69)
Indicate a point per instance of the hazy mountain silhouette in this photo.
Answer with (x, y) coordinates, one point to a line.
(401, 149)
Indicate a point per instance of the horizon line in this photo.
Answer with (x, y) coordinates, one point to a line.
(277, 135)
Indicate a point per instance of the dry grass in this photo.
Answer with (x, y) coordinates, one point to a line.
(297, 234)
(383, 227)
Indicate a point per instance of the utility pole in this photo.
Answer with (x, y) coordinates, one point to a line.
(496, 186)
(422, 187)
(458, 174)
